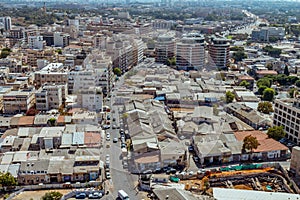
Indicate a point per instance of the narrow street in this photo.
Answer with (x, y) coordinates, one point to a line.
(120, 177)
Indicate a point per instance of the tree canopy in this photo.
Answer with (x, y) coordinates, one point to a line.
(6, 180)
(229, 97)
(245, 84)
(286, 70)
(52, 196)
(250, 143)
(297, 83)
(268, 94)
(263, 82)
(274, 52)
(265, 107)
(239, 56)
(276, 132)
(117, 71)
(5, 52)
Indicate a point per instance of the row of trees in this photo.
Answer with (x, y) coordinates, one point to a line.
(274, 52)
(264, 89)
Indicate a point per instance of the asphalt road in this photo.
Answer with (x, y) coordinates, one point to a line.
(120, 177)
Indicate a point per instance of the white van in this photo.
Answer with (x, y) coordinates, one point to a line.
(123, 195)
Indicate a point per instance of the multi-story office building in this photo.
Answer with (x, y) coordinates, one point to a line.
(18, 101)
(5, 22)
(165, 48)
(190, 53)
(265, 33)
(52, 73)
(50, 96)
(287, 114)
(219, 52)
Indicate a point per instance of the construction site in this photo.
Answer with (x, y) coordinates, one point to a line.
(256, 177)
(246, 177)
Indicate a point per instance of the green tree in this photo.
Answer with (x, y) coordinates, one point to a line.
(297, 83)
(269, 66)
(265, 107)
(268, 94)
(5, 52)
(117, 71)
(286, 70)
(52, 121)
(236, 48)
(229, 97)
(293, 92)
(171, 61)
(249, 143)
(245, 84)
(52, 196)
(261, 89)
(239, 56)
(263, 82)
(7, 180)
(276, 132)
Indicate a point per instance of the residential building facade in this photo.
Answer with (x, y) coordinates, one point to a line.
(287, 114)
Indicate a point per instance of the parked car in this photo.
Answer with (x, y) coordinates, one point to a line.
(107, 175)
(123, 145)
(107, 137)
(95, 195)
(171, 171)
(196, 159)
(80, 195)
(147, 171)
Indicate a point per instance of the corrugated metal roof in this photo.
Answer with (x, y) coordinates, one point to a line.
(78, 138)
(67, 139)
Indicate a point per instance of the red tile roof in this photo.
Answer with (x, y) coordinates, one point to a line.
(266, 144)
(91, 138)
(61, 119)
(249, 78)
(267, 72)
(26, 120)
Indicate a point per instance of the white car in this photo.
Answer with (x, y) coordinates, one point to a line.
(107, 137)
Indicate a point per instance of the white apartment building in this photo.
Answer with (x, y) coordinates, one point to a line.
(50, 96)
(287, 114)
(190, 53)
(61, 39)
(18, 101)
(81, 80)
(101, 65)
(5, 22)
(90, 99)
(36, 42)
